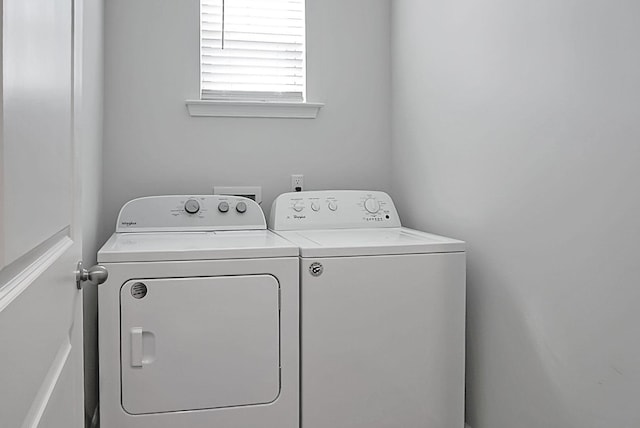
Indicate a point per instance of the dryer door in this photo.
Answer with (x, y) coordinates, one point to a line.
(199, 343)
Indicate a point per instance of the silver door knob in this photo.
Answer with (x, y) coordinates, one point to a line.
(96, 274)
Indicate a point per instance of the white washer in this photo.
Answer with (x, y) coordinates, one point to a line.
(382, 314)
(198, 320)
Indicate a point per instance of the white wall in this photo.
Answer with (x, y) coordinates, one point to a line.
(517, 128)
(152, 146)
(91, 140)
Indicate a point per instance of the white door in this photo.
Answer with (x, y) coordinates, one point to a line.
(41, 381)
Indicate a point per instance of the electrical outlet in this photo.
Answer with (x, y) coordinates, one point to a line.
(297, 183)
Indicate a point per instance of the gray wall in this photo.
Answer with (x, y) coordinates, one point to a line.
(91, 139)
(516, 127)
(152, 146)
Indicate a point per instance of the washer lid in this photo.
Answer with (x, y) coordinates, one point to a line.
(370, 242)
(170, 246)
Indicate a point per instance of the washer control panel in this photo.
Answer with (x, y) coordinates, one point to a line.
(190, 213)
(333, 209)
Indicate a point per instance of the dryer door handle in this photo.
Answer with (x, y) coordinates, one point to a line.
(137, 350)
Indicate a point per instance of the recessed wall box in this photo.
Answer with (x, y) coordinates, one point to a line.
(251, 192)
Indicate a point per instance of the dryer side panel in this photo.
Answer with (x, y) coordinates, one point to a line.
(199, 343)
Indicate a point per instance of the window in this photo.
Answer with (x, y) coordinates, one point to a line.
(252, 50)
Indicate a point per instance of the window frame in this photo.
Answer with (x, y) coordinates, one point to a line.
(241, 106)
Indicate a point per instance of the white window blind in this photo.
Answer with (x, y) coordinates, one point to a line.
(252, 50)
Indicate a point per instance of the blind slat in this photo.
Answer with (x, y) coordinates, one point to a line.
(254, 88)
(248, 95)
(252, 45)
(252, 29)
(253, 11)
(248, 53)
(252, 70)
(251, 78)
(215, 62)
(252, 37)
(263, 55)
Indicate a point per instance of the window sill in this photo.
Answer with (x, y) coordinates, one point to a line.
(208, 108)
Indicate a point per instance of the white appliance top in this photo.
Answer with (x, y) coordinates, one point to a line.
(359, 223)
(168, 228)
(370, 242)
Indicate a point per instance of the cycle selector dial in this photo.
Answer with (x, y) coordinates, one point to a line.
(332, 205)
(298, 207)
(192, 206)
(372, 206)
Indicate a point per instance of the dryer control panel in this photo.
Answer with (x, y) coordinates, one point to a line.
(333, 209)
(190, 213)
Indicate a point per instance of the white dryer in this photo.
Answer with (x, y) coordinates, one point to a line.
(382, 314)
(198, 320)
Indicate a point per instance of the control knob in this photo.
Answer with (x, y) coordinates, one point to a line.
(298, 207)
(241, 207)
(332, 205)
(192, 206)
(372, 205)
(223, 207)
